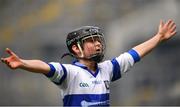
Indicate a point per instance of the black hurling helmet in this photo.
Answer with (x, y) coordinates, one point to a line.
(79, 36)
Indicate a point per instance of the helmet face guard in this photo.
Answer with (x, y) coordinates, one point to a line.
(83, 34)
(98, 55)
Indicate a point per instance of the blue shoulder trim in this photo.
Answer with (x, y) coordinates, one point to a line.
(52, 71)
(116, 70)
(135, 55)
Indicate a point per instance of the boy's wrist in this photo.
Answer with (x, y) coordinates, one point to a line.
(22, 64)
(159, 37)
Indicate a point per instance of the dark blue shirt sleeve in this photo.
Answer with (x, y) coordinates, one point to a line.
(135, 55)
(52, 71)
(116, 70)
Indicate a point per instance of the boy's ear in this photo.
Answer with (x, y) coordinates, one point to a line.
(76, 50)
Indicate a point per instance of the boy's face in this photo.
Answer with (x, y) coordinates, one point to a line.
(92, 45)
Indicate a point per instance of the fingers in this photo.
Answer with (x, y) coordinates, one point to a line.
(5, 60)
(10, 52)
(8, 63)
(169, 22)
(161, 23)
(2, 60)
(173, 30)
(172, 27)
(173, 33)
(169, 25)
(172, 24)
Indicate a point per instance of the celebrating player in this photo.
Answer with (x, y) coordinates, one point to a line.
(86, 81)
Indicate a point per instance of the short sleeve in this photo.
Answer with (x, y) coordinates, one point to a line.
(58, 73)
(123, 63)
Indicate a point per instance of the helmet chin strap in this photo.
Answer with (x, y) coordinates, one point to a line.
(97, 57)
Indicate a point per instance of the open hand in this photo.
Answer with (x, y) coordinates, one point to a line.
(166, 30)
(13, 61)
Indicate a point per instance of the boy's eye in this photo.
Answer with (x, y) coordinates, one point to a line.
(97, 39)
(89, 40)
(93, 39)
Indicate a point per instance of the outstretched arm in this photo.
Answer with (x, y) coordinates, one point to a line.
(14, 62)
(165, 32)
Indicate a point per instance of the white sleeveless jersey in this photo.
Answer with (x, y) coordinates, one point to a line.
(81, 87)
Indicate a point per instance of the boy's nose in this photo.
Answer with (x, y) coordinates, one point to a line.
(97, 43)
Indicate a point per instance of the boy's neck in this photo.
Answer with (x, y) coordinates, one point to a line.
(91, 65)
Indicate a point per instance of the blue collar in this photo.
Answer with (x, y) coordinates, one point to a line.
(77, 63)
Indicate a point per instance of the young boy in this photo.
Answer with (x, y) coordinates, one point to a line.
(86, 81)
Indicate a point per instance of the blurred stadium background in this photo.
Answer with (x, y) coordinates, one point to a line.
(36, 29)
